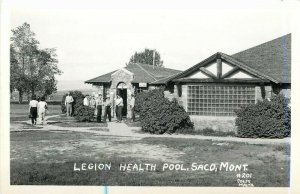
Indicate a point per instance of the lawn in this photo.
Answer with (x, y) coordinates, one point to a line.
(63, 121)
(19, 112)
(48, 157)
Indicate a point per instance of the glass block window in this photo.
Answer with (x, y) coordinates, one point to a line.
(218, 100)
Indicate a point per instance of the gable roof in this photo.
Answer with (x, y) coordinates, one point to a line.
(225, 57)
(143, 73)
(268, 61)
(272, 58)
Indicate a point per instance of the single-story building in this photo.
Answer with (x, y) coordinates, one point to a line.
(128, 80)
(216, 86)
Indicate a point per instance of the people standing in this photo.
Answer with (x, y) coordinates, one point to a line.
(68, 103)
(132, 103)
(92, 103)
(86, 101)
(119, 103)
(107, 109)
(42, 107)
(99, 104)
(33, 104)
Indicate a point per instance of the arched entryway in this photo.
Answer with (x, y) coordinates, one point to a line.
(121, 90)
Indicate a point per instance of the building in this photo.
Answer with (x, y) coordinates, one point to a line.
(216, 86)
(131, 79)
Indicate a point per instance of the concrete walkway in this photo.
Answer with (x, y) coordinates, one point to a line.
(121, 129)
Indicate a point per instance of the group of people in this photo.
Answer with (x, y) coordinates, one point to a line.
(99, 104)
(37, 109)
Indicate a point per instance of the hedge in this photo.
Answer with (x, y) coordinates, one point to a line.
(80, 112)
(78, 101)
(159, 115)
(85, 113)
(266, 119)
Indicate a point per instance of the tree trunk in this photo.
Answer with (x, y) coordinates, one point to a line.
(20, 97)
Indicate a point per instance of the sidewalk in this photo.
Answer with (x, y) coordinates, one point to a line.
(121, 129)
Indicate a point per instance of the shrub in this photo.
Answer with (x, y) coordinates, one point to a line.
(84, 113)
(267, 119)
(159, 115)
(78, 102)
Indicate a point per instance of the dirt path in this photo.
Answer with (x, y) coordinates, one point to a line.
(121, 129)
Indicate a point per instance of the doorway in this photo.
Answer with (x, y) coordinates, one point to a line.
(122, 91)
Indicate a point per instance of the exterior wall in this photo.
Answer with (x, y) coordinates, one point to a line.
(183, 98)
(125, 77)
(262, 92)
(224, 124)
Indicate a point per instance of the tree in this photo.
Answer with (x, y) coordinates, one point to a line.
(33, 70)
(146, 57)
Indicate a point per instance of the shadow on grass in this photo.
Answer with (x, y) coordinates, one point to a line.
(63, 121)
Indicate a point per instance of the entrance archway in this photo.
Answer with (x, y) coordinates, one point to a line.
(122, 91)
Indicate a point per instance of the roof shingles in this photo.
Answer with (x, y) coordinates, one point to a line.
(142, 74)
(272, 58)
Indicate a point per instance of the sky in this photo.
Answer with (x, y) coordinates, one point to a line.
(95, 39)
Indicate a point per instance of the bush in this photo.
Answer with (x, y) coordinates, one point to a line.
(78, 102)
(266, 119)
(159, 115)
(85, 113)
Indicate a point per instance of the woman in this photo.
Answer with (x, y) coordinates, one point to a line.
(33, 104)
(119, 103)
(42, 107)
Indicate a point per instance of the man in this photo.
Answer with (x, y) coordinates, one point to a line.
(68, 103)
(86, 101)
(119, 104)
(99, 104)
(132, 102)
(107, 109)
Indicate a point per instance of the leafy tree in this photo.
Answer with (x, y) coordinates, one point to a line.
(146, 57)
(33, 70)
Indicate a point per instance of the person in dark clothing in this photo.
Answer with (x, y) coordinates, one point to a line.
(119, 103)
(33, 104)
(99, 105)
(107, 109)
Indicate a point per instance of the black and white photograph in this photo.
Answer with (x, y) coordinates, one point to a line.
(111, 95)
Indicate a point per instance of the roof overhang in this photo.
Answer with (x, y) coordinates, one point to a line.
(260, 77)
(209, 80)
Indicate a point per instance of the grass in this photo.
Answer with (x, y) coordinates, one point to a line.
(20, 112)
(47, 158)
(63, 121)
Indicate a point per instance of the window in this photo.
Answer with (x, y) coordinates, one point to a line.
(218, 100)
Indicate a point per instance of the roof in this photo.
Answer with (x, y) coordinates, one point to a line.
(270, 61)
(164, 80)
(106, 78)
(143, 73)
(272, 58)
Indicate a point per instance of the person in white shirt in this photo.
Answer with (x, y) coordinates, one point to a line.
(33, 104)
(42, 107)
(68, 103)
(119, 104)
(86, 101)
